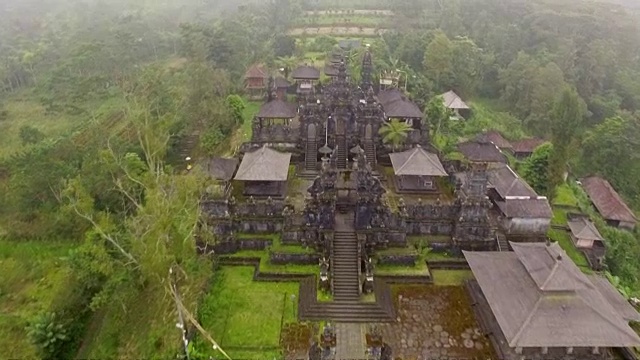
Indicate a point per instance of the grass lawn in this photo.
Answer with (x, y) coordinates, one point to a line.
(450, 277)
(565, 196)
(267, 267)
(391, 270)
(559, 216)
(34, 279)
(243, 134)
(240, 313)
(563, 238)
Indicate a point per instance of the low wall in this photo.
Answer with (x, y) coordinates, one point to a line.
(402, 260)
(296, 259)
(233, 246)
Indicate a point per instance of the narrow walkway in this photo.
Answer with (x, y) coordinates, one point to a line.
(350, 341)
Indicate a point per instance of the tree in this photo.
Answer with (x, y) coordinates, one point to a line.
(438, 116)
(236, 107)
(438, 61)
(394, 132)
(567, 117)
(284, 45)
(535, 170)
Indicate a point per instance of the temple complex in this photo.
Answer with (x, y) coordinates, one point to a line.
(318, 175)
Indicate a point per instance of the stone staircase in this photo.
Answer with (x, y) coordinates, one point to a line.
(345, 271)
(187, 144)
(370, 152)
(346, 305)
(341, 144)
(311, 155)
(503, 244)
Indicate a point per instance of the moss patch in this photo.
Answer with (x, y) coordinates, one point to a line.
(450, 277)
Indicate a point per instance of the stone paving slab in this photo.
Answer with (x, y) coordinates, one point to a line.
(350, 341)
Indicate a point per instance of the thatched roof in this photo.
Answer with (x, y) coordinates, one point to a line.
(583, 229)
(528, 208)
(508, 184)
(526, 146)
(222, 168)
(453, 101)
(495, 138)
(417, 162)
(608, 202)
(277, 109)
(305, 72)
(331, 70)
(256, 71)
(402, 108)
(389, 95)
(481, 152)
(540, 298)
(264, 164)
(280, 82)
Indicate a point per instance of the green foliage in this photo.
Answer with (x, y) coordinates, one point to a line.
(438, 116)
(535, 170)
(323, 43)
(48, 334)
(30, 135)
(395, 132)
(284, 45)
(210, 140)
(236, 106)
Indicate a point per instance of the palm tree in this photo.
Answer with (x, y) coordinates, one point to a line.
(394, 132)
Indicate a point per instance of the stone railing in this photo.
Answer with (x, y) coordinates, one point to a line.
(221, 209)
(275, 133)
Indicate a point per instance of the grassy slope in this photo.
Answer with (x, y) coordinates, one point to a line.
(240, 313)
(34, 278)
(488, 114)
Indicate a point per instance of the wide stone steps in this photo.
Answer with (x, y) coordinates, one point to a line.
(503, 244)
(311, 156)
(346, 282)
(341, 152)
(345, 311)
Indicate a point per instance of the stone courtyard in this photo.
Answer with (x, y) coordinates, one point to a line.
(435, 322)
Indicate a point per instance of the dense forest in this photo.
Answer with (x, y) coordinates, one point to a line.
(99, 101)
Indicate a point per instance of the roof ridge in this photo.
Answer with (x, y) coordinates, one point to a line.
(516, 337)
(408, 159)
(607, 318)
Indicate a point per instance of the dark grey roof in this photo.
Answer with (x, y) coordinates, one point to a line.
(402, 108)
(612, 295)
(306, 72)
(527, 208)
(507, 183)
(540, 298)
(495, 138)
(608, 202)
(222, 168)
(389, 95)
(583, 229)
(481, 152)
(417, 162)
(277, 109)
(331, 70)
(264, 164)
(281, 82)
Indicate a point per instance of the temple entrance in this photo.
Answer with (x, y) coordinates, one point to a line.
(368, 132)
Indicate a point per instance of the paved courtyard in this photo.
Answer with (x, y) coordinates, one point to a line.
(435, 322)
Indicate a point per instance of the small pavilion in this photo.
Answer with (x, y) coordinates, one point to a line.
(416, 170)
(264, 172)
(221, 171)
(276, 112)
(305, 76)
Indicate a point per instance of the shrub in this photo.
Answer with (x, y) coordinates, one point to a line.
(49, 335)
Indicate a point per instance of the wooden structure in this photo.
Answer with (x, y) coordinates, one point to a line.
(416, 170)
(454, 103)
(522, 149)
(496, 139)
(264, 172)
(255, 81)
(281, 85)
(481, 152)
(544, 305)
(521, 210)
(222, 170)
(305, 77)
(609, 203)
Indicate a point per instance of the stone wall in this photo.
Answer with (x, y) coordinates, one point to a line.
(402, 260)
(279, 258)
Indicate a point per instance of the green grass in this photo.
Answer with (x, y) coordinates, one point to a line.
(239, 312)
(244, 132)
(564, 240)
(430, 255)
(450, 277)
(565, 196)
(391, 270)
(35, 278)
(397, 251)
(267, 267)
(559, 217)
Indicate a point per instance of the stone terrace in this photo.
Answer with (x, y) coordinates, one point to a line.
(435, 322)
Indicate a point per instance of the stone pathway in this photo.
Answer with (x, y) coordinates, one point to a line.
(350, 341)
(435, 323)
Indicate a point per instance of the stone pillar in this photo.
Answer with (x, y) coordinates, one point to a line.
(570, 350)
(519, 350)
(595, 350)
(545, 350)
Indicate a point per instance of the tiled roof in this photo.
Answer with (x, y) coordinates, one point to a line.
(417, 162)
(277, 109)
(540, 298)
(481, 152)
(526, 145)
(256, 71)
(264, 164)
(608, 202)
(306, 72)
(531, 208)
(453, 101)
(495, 138)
